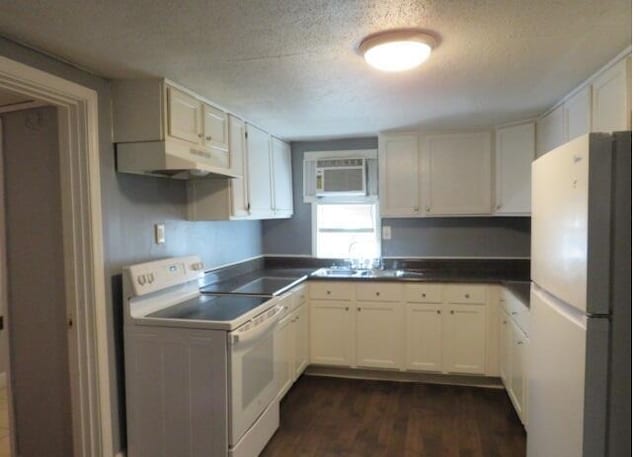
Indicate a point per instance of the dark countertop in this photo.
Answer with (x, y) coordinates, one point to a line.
(513, 273)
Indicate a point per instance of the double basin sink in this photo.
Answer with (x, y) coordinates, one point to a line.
(346, 272)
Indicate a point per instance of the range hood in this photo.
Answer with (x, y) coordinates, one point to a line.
(172, 159)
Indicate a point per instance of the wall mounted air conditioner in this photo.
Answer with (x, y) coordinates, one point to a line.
(340, 177)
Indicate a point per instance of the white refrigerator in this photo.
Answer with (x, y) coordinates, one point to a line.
(580, 336)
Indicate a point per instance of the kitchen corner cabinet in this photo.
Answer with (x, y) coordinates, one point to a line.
(515, 150)
(577, 114)
(435, 175)
(156, 110)
(513, 351)
(263, 189)
(550, 131)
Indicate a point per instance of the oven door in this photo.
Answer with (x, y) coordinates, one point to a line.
(253, 375)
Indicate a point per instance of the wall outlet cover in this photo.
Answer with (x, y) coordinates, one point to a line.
(386, 232)
(159, 233)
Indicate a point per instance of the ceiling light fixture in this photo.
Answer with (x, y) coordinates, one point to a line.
(397, 50)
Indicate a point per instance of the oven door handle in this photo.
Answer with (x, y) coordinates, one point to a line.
(256, 332)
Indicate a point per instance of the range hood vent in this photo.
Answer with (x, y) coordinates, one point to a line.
(173, 160)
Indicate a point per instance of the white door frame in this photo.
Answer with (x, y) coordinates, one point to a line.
(83, 250)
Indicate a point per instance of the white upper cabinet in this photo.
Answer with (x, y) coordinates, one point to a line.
(435, 175)
(259, 171)
(399, 175)
(237, 188)
(612, 98)
(184, 116)
(577, 114)
(282, 178)
(215, 130)
(515, 150)
(457, 178)
(550, 131)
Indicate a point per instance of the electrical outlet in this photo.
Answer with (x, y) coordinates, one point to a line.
(159, 232)
(386, 232)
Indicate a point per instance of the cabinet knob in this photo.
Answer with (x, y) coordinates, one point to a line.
(328, 292)
(377, 294)
(200, 135)
(415, 210)
(513, 313)
(346, 308)
(359, 309)
(498, 206)
(438, 311)
(466, 295)
(504, 322)
(208, 138)
(520, 342)
(424, 295)
(427, 209)
(451, 311)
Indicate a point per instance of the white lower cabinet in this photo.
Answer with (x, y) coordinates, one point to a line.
(513, 351)
(418, 327)
(291, 339)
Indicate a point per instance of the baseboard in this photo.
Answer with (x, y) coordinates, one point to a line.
(403, 376)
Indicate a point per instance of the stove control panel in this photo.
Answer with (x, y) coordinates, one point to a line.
(161, 274)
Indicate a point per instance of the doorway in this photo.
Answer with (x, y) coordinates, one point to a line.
(82, 263)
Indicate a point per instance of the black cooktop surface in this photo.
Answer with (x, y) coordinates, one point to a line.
(264, 285)
(217, 308)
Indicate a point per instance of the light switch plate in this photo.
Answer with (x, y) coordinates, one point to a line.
(159, 232)
(386, 232)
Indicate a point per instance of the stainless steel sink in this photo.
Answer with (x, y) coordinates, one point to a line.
(346, 272)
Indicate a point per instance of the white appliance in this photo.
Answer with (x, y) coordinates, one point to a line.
(341, 177)
(580, 328)
(200, 369)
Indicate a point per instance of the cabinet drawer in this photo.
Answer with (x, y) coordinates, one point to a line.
(424, 293)
(379, 291)
(322, 290)
(466, 293)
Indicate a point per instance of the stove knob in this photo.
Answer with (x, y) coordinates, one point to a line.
(142, 280)
(150, 278)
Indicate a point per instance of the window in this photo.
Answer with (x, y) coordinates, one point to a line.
(346, 230)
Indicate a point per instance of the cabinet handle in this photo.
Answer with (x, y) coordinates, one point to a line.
(520, 342)
(424, 295)
(514, 313)
(377, 294)
(415, 210)
(346, 308)
(438, 311)
(359, 309)
(498, 206)
(200, 135)
(427, 209)
(328, 292)
(451, 311)
(466, 295)
(504, 322)
(208, 138)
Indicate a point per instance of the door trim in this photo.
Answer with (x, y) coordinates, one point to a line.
(83, 249)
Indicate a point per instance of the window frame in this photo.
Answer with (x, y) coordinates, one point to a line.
(364, 201)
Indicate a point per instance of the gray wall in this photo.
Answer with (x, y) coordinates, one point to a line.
(293, 236)
(419, 237)
(37, 311)
(131, 205)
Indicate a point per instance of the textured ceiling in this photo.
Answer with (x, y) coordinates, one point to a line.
(291, 66)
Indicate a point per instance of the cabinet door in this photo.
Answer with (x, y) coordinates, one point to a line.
(399, 176)
(577, 114)
(331, 333)
(612, 99)
(184, 116)
(259, 171)
(301, 345)
(282, 343)
(238, 154)
(216, 132)
(459, 179)
(424, 337)
(282, 181)
(518, 378)
(505, 349)
(464, 339)
(515, 150)
(550, 131)
(378, 335)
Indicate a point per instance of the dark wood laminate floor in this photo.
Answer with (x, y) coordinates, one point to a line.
(333, 417)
